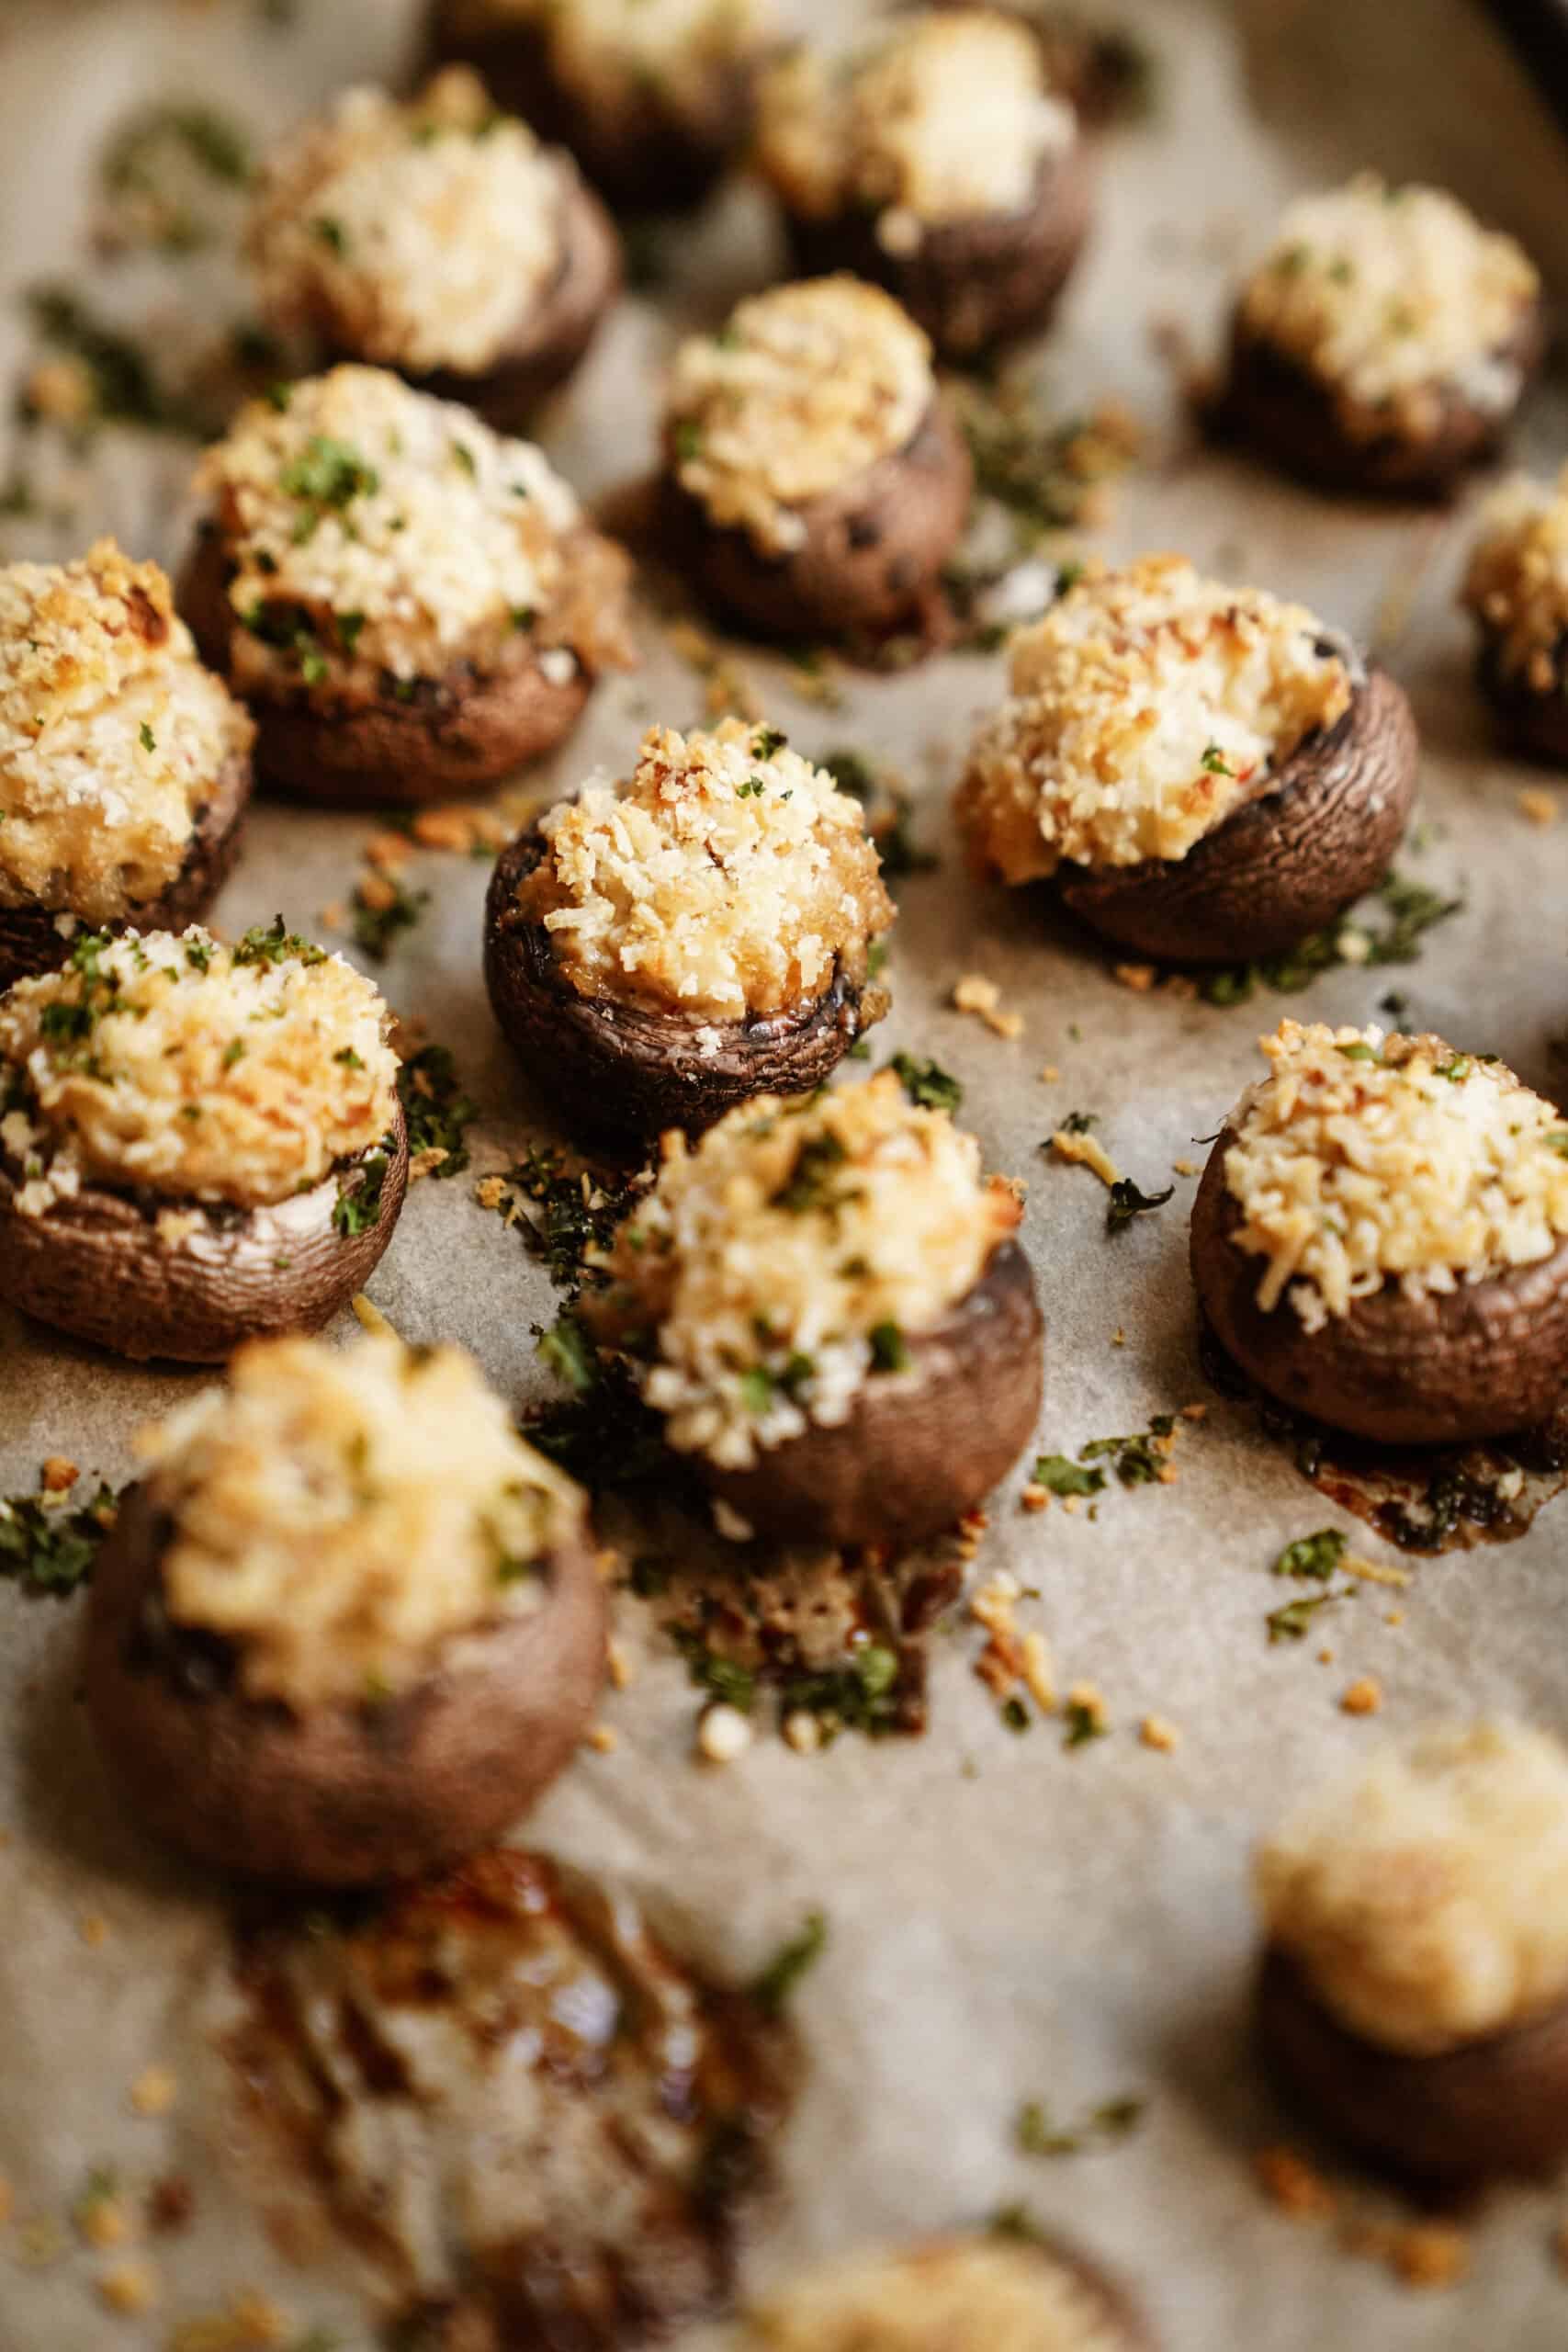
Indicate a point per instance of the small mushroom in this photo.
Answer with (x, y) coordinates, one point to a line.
(357, 1751)
(1513, 592)
(134, 1211)
(493, 603)
(1422, 1349)
(659, 986)
(825, 1302)
(1383, 343)
(977, 239)
(815, 482)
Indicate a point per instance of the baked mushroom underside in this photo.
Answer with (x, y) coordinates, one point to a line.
(1446, 1368)
(1488, 2109)
(342, 1793)
(97, 1266)
(1280, 866)
(32, 939)
(920, 1447)
(1534, 719)
(622, 1072)
(868, 554)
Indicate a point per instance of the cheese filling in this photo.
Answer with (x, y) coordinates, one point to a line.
(420, 235)
(112, 735)
(961, 2295)
(1393, 296)
(1364, 1158)
(193, 1071)
(785, 1259)
(1144, 707)
(728, 877)
(1427, 1899)
(617, 52)
(804, 390)
(1517, 584)
(344, 1516)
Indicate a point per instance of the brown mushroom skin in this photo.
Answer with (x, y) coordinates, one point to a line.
(874, 548)
(918, 1448)
(1449, 1368)
(622, 1073)
(95, 1266)
(1534, 720)
(1280, 866)
(1490, 2108)
(428, 741)
(343, 1795)
(973, 284)
(1289, 417)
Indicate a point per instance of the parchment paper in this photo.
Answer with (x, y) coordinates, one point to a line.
(1008, 1920)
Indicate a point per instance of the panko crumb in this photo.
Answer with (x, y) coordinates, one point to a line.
(58, 1474)
(130, 2288)
(1539, 807)
(93, 1929)
(1364, 1697)
(1293, 2184)
(974, 994)
(154, 2091)
(1430, 2255)
(1157, 1733)
(248, 2322)
(722, 1735)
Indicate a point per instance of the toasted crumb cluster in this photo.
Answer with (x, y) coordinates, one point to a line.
(614, 52)
(1146, 705)
(1427, 1899)
(785, 1259)
(728, 877)
(802, 389)
(1364, 1158)
(379, 532)
(112, 735)
(1517, 584)
(963, 2295)
(340, 1515)
(192, 1070)
(1391, 297)
(420, 235)
(942, 115)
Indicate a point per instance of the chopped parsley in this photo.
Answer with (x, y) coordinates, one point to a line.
(752, 789)
(234, 1051)
(862, 1695)
(374, 928)
(47, 1549)
(1215, 763)
(1127, 1202)
(149, 741)
(1293, 1621)
(926, 1082)
(1360, 1052)
(325, 477)
(774, 1986)
(889, 1349)
(1036, 2134)
(1411, 909)
(1083, 1722)
(1313, 1555)
(888, 811)
(805, 1187)
(358, 1203)
(568, 1351)
(1061, 1476)
(766, 743)
(438, 1112)
(688, 440)
(574, 1210)
(734, 1684)
(271, 942)
(330, 232)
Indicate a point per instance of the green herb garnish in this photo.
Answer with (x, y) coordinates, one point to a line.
(1313, 1555)
(46, 1549)
(1127, 1202)
(926, 1082)
(772, 1987)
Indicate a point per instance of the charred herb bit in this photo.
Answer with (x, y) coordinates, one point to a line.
(376, 927)
(571, 1354)
(1035, 2134)
(805, 1187)
(926, 1082)
(1060, 1476)
(1313, 1555)
(437, 1111)
(1079, 1123)
(1083, 1722)
(576, 1209)
(1215, 762)
(1139, 1460)
(774, 1986)
(147, 170)
(1016, 2223)
(889, 1349)
(49, 1550)
(1015, 1715)
(358, 1203)
(1127, 1202)
(604, 1436)
(1293, 1621)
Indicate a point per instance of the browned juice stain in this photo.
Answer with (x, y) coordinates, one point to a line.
(536, 2124)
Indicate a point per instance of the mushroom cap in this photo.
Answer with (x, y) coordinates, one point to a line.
(1534, 719)
(1284, 413)
(29, 941)
(96, 1267)
(971, 284)
(917, 1449)
(1446, 1368)
(624, 1072)
(343, 1795)
(1280, 866)
(1490, 2107)
(873, 548)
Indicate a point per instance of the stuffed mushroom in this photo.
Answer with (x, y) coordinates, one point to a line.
(1207, 773)
(125, 766)
(1413, 1997)
(438, 238)
(659, 950)
(412, 606)
(349, 1625)
(1383, 342)
(933, 157)
(1380, 1237)
(198, 1143)
(654, 98)
(1516, 590)
(815, 482)
(824, 1300)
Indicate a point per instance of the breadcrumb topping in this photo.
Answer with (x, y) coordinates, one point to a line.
(417, 235)
(611, 52)
(728, 876)
(1364, 1158)
(804, 389)
(1517, 582)
(342, 1515)
(1146, 707)
(192, 1070)
(1391, 298)
(959, 2295)
(112, 735)
(943, 115)
(785, 1259)
(1426, 1898)
(376, 530)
